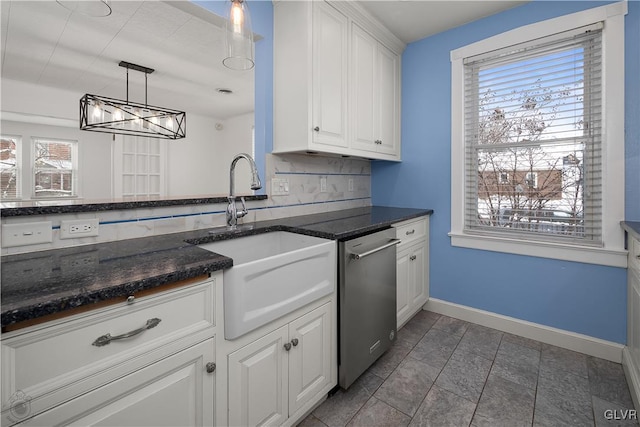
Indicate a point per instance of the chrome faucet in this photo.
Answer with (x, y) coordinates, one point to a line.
(232, 213)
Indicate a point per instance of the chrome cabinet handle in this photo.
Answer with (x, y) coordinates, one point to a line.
(412, 257)
(410, 232)
(211, 367)
(317, 129)
(287, 346)
(294, 342)
(106, 339)
(393, 242)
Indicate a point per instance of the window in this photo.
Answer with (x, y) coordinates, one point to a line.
(54, 168)
(10, 167)
(529, 139)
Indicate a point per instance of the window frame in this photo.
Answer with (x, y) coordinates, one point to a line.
(74, 168)
(612, 252)
(18, 168)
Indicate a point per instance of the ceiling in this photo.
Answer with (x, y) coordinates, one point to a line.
(412, 20)
(46, 44)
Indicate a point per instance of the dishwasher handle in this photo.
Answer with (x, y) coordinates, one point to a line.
(392, 242)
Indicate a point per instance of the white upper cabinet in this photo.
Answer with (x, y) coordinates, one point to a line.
(336, 81)
(375, 83)
(329, 99)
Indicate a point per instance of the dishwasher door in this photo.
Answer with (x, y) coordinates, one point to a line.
(367, 302)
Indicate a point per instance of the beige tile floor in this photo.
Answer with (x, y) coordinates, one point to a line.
(446, 372)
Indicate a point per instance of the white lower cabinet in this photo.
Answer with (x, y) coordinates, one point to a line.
(631, 354)
(274, 376)
(146, 362)
(412, 267)
(176, 391)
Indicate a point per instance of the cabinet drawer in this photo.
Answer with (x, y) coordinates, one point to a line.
(65, 357)
(409, 231)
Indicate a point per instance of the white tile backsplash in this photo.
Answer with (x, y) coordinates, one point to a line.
(305, 197)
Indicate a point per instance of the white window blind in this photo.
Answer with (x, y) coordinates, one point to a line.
(533, 140)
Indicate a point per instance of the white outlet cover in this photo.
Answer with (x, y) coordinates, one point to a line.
(28, 233)
(72, 229)
(323, 184)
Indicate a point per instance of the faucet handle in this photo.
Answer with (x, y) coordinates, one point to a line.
(244, 211)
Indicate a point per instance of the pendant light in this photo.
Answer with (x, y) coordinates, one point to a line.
(109, 115)
(238, 37)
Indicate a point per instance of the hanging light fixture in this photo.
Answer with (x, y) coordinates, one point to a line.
(238, 37)
(102, 114)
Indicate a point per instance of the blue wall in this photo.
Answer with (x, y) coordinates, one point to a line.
(583, 298)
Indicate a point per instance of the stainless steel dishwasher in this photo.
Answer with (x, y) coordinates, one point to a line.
(367, 302)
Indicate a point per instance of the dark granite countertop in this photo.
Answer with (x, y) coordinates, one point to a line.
(42, 283)
(46, 207)
(632, 227)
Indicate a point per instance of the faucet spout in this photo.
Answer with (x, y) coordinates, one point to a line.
(232, 213)
(255, 178)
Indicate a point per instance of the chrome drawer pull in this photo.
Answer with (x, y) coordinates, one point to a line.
(106, 339)
(410, 232)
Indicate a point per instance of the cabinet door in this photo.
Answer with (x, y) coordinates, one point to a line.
(330, 73)
(417, 273)
(633, 313)
(258, 381)
(363, 85)
(403, 286)
(176, 391)
(310, 356)
(387, 103)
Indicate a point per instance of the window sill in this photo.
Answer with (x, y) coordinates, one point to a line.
(585, 254)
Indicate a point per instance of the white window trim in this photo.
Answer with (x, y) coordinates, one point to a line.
(74, 167)
(612, 253)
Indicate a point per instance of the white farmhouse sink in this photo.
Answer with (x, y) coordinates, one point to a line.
(273, 274)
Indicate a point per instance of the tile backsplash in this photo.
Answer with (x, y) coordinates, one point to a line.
(348, 185)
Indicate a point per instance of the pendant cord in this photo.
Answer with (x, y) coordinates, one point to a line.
(145, 90)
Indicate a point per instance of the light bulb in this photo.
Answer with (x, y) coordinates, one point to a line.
(237, 16)
(169, 124)
(97, 112)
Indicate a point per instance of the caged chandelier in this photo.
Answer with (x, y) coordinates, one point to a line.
(102, 114)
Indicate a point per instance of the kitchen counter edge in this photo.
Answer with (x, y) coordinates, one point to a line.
(172, 249)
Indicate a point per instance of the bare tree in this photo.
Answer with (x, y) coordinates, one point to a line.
(522, 182)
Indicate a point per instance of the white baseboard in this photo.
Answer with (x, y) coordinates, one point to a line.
(632, 372)
(570, 340)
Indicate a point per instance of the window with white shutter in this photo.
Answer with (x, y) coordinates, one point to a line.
(538, 139)
(533, 111)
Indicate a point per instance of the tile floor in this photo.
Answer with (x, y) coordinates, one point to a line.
(446, 372)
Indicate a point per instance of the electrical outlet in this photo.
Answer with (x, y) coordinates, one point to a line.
(323, 184)
(30, 233)
(350, 184)
(279, 186)
(76, 228)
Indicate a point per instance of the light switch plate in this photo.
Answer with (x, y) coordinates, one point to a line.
(28, 233)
